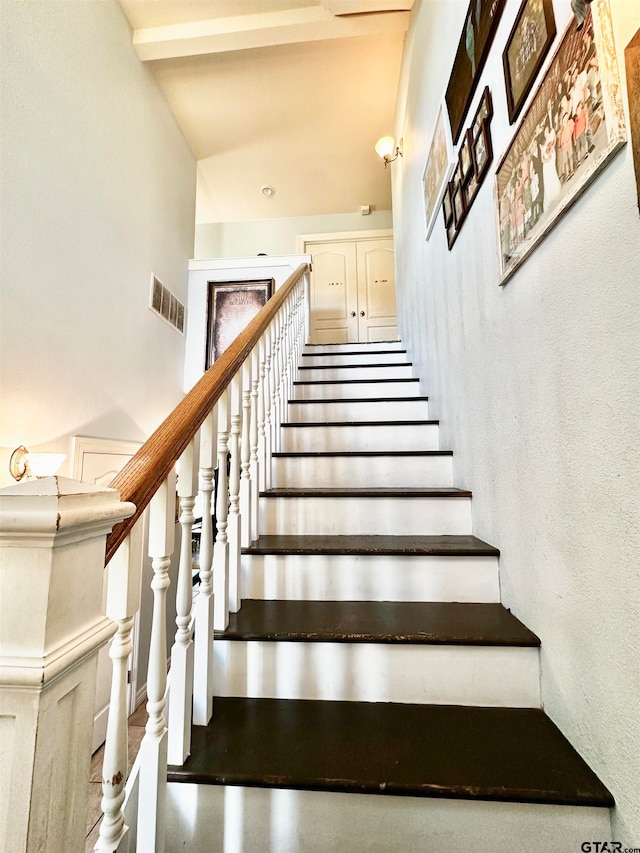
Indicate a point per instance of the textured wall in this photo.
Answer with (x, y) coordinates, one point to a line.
(98, 188)
(536, 385)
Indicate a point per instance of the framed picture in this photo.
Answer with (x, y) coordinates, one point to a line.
(632, 63)
(459, 207)
(465, 157)
(527, 45)
(451, 234)
(480, 25)
(231, 305)
(482, 152)
(469, 190)
(447, 206)
(483, 113)
(572, 128)
(440, 163)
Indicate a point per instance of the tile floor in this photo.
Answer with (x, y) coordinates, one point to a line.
(137, 722)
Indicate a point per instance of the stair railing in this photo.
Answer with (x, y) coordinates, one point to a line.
(234, 411)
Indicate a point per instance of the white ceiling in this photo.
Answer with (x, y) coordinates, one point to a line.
(290, 93)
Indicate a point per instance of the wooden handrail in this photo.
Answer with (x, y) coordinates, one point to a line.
(142, 476)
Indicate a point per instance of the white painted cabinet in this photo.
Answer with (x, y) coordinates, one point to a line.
(352, 291)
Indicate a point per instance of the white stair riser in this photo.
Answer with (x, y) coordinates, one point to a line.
(341, 374)
(378, 672)
(331, 439)
(352, 357)
(383, 346)
(362, 390)
(378, 410)
(365, 516)
(376, 471)
(222, 819)
(369, 577)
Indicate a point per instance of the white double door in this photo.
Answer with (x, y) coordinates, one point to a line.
(353, 294)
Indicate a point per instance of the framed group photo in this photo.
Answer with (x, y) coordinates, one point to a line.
(573, 126)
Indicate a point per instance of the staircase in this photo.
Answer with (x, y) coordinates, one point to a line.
(372, 694)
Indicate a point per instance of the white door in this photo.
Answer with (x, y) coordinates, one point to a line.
(353, 291)
(97, 461)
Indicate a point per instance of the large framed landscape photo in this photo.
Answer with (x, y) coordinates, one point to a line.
(573, 126)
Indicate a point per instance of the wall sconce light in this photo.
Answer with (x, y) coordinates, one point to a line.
(26, 464)
(388, 150)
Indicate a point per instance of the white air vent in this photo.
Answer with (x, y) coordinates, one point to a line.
(168, 306)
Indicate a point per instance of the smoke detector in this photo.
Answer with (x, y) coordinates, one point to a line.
(267, 191)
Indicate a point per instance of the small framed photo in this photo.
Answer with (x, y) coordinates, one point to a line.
(482, 152)
(447, 206)
(459, 208)
(465, 156)
(451, 234)
(470, 189)
(528, 44)
(483, 113)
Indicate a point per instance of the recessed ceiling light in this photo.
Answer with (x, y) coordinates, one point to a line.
(267, 191)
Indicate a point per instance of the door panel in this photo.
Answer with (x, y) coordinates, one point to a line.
(334, 293)
(376, 291)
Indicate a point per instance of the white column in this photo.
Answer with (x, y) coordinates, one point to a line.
(234, 521)
(52, 546)
(221, 549)
(246, 484)
(181, 692)
(123, 601)
(153, 749)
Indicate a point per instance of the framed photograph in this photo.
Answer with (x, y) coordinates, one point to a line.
(570, 131)
(447, 206)
(483, 113)
(632, 63)
(482, 152)
(231, 305)
(440, 163)
(470, 190)
(459, 207)
(451, 234)
(466, 157)
(528, 44)
(480, 25)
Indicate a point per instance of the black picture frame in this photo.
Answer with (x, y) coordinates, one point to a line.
(483, 113)
(482, 152)
(230, 306)
(480, 25)
(459, 206)
(466, 157)
(528, 44)
(447, 206)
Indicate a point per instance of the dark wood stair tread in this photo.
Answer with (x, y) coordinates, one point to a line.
(361, 400)
(506, 754)
(424, 623)
(436, 546)
(327, 453)
(354, 352)
(404, 422)
(391, 492)
(354, 366)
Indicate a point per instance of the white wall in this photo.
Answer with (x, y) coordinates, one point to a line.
(277, 236)
(98, 188)
(536, 385)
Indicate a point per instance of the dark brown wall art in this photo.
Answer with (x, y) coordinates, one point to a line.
(632, 63)
(527, 46)
(232, 304)
(481, 23)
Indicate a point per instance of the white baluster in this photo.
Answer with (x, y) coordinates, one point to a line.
(234, 521)
(203, 611)
(181, 692)
(153, 749)
(306, 298)
(275, 384)
(245, 456)
(123, 600)
(221, 549)
(266, 397)
(255, 473)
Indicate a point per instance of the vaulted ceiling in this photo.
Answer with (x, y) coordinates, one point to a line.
(291, 94)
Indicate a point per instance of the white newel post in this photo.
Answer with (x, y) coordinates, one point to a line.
(153, 749)
(221, 548)
(52, 546)
(234, 520)
(203, 616)
(181, 692)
